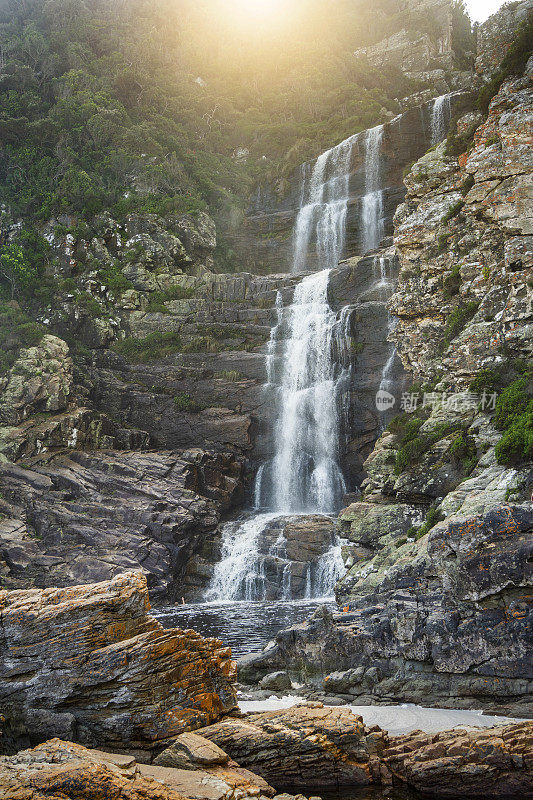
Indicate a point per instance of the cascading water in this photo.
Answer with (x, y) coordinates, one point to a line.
(323, 207)
(385, 286)
(308, 371)
(372, 202)
(305, 475)
(307, 375)
(238, 574)
(441, 113)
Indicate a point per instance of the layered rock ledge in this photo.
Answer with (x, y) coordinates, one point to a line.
(320, 748)
(90, 664)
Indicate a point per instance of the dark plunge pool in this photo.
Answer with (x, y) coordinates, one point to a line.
(246, 627)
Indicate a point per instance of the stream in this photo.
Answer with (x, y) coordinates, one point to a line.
(246, 627)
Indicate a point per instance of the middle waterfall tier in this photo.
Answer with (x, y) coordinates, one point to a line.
(325, 192)
(309, 368)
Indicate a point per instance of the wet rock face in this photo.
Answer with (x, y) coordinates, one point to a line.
(266, 237)
(303, 747)
(290, 553)
(80, 517)
(441, 621)
(89, 663)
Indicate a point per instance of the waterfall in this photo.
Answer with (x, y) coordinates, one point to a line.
(305, 472)
(372, 202)
(308, 372)
(307, 379)
(441, 113)
(239, 573)
(323, 208)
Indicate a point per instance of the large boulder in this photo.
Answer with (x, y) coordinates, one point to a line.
(40, 380)
(91, 516)
(307, 746)
(443, 620)
(58, 769)
(90, 664)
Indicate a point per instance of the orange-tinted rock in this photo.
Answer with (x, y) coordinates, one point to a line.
(89, 663)
(307, 747)
(466, 763)
(58, 770)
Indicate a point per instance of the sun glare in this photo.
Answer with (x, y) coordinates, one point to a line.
(260, 10)
(259, 15)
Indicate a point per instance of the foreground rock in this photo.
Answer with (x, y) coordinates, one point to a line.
(62, 769)
(326, 748)
(466, 763)
(306, 746)
(91, 664)
(441, 621)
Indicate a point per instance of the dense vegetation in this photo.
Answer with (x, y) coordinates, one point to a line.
(136, 104)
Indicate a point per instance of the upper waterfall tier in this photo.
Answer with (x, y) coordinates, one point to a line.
(325, 207)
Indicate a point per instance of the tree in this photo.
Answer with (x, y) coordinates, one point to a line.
(16, 270)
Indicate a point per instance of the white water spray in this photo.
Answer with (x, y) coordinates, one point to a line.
(323, 208)
(372, 223)
(441, 113)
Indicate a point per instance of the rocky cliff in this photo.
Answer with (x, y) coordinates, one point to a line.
(438, 548)
(90, 664)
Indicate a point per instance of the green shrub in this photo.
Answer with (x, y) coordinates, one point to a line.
(410, 452)
(400, 542)
(184, 402)
(16, 270)
(156, 307)
(457, 320)
(202, 344)
(17, 331)
(231, 375)
(442, 242)
(464, 452)
(412, 444)
(433, 516)
(453, 211)
(88, 303)
(516, 444)
(452, 282)
(112, 277)
(512, 403)
(487, 380)
(154, 346)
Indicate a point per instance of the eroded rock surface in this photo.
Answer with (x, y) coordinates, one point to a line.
(73, 517)
(89, 663)
(304, 746)
(465, 763)
(58, 769)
